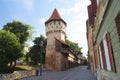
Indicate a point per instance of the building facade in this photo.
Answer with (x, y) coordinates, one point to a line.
(103, 34)
(57, 51)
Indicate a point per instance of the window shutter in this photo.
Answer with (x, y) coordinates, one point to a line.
(100, 57)
(103, 55)
(95, 58)
(110, 52)
(106, 53)
(117, 21)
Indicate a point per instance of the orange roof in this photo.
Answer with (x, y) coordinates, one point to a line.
(61, 41)
(55, 16)
(64, 43)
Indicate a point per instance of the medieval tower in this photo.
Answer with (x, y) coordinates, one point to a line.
(55, 29)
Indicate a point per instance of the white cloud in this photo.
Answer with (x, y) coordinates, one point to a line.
(76, 8)
(42, 20)
(27, 4)
(76, 17)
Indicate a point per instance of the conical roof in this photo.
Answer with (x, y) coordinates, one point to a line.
(55, 16)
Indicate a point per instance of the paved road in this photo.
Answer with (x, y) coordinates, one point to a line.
(77, 73)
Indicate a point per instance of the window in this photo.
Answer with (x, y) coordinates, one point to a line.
(103, 55)
(50, 23)
(60, 27)
(117, 21)
(54, 22)
(110, 52)
(106, 55)
(100, 53)
(97, 2)
(59, 22)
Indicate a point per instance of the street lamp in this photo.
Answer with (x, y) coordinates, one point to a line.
(41, 44)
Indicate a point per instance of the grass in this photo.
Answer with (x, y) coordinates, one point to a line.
(25, 67)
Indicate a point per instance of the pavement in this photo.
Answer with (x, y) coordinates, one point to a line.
(76, 73)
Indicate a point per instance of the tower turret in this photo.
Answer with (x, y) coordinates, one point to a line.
(55, 28)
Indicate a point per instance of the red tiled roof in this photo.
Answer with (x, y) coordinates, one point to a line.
(61, 41)
(55, 16)
(64, 43)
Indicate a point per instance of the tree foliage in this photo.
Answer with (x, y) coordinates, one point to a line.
(35, 50)
(13, 37)
(10, 48)
(84, 60)
(22, 31)
(74, 46)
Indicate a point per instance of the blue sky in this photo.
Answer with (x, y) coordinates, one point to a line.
(36, 12)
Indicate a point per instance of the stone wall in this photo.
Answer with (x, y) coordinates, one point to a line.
(17, 75)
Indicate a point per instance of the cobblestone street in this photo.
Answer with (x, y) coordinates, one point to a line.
(77, 73)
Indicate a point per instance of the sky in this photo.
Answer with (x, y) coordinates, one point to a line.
(36, 12)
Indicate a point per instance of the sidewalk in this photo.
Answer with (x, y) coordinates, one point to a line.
(77, 73)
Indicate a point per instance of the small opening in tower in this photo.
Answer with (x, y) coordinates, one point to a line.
(59, 22)
(54, 22)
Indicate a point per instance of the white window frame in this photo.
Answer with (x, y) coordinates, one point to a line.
(106, 53)
(97, 2)
(101, 57)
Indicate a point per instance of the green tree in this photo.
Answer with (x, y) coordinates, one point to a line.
(22, 31)
(84, 60)
(10, 49)
(35, 50)
(74, 46)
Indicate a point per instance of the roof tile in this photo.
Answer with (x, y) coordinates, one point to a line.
(55, 16)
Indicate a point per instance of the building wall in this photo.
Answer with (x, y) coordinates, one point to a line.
(107, 10)
(58, 60)
(54, 29)
(90, 48)
(90, 30)
(50, 57)
(106, 23)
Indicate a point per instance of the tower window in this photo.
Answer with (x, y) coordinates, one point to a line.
(61, 27)
(50, 23)
(54, 22)
(48, 27)
(59, 22)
